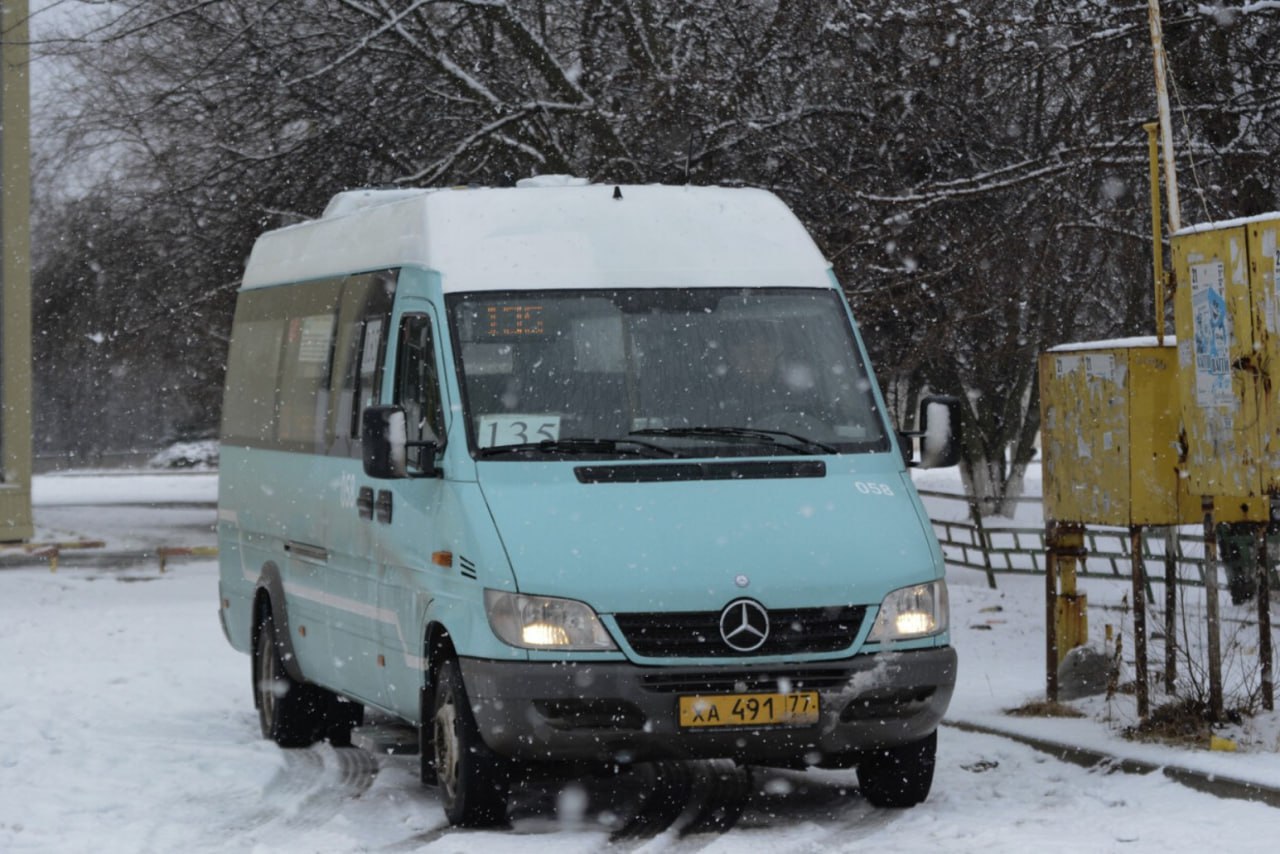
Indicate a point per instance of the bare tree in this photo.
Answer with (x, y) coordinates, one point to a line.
(976, 171)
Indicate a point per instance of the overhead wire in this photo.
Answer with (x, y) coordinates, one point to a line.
(1186, 131)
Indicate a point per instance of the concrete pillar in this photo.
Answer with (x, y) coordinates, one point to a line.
(15, 274)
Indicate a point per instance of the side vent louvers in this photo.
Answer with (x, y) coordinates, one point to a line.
(468, 568)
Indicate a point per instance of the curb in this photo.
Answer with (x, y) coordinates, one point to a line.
(1213, 784)
(160, 556)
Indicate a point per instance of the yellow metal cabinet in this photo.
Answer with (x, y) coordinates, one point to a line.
(1261, 239)
(1109, 428)
(1220, 359)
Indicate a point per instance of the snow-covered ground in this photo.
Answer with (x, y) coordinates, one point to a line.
(127, 725)
(131, 512)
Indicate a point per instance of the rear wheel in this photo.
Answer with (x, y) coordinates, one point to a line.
(291, 713)
(899, 776)
(474, 781)
(342, 716)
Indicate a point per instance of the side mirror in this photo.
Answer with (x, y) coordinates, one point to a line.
(385, 446)
(939, 431)
(383, 440)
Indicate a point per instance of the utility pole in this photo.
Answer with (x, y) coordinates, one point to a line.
(1166, 123)
(15, 273)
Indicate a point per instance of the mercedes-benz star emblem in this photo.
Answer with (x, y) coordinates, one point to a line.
(741, 580)
(744, 625)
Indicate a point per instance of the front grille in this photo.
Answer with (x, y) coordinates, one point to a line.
(696, 634)
(744, 681)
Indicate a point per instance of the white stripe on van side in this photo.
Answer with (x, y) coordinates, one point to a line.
(386, 616)
(351, 606)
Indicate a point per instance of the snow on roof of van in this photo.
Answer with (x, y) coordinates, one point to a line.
(557, 236)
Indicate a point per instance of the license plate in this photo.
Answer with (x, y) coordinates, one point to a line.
(799, 708)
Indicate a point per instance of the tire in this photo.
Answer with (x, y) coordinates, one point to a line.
(899, 777)
(291, 713)
(426, 739)
(474, 782)
(343, 715)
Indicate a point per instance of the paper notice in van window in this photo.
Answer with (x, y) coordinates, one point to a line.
(313, 345)
(369, 357)
(597, 345)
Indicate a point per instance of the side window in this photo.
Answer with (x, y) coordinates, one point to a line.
(278, 370)
(249, 407)
(417, 385)
(304, 381)
(358, 355)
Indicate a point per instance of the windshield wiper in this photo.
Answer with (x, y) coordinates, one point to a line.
(628, 447)
(783, 439)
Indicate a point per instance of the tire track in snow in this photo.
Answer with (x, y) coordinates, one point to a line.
(830, 802)
(306, 793)
(693, 806)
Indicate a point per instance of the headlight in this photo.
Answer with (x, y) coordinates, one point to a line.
(912, 612)
(541, 622)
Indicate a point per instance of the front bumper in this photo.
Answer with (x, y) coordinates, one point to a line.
(621, 712)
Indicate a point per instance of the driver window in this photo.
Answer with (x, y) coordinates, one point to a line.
(417, 388)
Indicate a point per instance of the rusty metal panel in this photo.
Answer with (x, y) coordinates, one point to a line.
(1231, 509)
(1218, 368)
(1111, 437)
(1111, 431)
(1158, 494)
(1262, 234)
(1084, 434)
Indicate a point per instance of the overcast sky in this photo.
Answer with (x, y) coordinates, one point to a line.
(48, 17)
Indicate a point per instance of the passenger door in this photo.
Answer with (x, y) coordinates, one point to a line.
(408, 510)
(349, 496)
(286, 477)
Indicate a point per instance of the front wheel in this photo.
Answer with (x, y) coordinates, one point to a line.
(899, 776)
(474, 781)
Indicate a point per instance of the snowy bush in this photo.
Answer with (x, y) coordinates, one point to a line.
(187, 455)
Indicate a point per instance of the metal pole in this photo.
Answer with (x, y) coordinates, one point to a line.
(1157, 241)
(1051, 607)
(1162, 103)
(1139, 620)
(1157, 263)
(1264, 616)
(1170, 610)
(1211, 610)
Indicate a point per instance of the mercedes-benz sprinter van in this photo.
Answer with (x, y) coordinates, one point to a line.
(571, 475)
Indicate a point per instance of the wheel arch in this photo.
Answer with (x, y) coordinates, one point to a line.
(268, 598)
(437, 646)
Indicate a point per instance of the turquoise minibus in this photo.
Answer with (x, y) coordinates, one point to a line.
(574, 476)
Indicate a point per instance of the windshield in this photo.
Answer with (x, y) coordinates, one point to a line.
(662, 372)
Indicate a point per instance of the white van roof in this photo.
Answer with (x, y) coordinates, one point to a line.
(553, 234)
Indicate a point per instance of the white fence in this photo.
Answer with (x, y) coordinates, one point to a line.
(997, 549)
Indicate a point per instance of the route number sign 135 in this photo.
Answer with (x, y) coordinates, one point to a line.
(510, 429)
